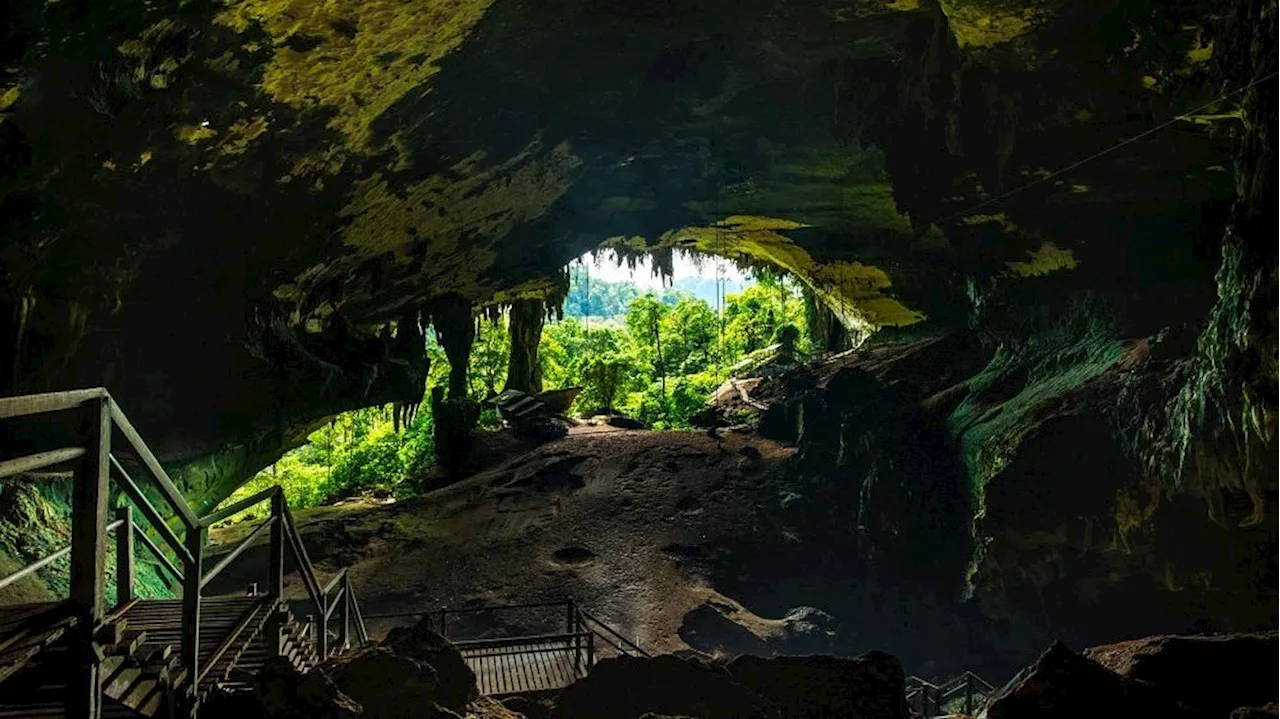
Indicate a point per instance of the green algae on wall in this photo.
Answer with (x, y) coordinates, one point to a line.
(475, 203)
(853, 291)
(983, 23)
(353, 57)
(1047, 258)
(34, 523)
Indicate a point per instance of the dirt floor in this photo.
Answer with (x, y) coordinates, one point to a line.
(631, 524)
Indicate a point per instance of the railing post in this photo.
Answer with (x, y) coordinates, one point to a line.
(591, 652)
(191, 602)
(275, 582)
(124, 555)
(88, 554)
(322, 637)
(344, 626)
(968, 695)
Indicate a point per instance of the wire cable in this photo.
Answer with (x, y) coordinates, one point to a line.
(1123, 143)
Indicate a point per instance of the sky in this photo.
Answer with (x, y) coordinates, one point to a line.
(603, 268)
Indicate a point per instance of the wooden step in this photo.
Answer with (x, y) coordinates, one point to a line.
(129, 643)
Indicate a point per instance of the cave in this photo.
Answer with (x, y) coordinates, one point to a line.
(1026, 391)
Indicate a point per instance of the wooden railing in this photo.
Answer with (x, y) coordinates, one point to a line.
(336, 597)
(961, 694)
(105, 434)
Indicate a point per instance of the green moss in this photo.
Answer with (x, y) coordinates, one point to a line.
(35, 523)
(982, 23)
(370, 53)
(1047, 258)
(1021, 386)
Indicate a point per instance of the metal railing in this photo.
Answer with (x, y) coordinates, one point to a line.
(964, 694)
(103, 428)
(581, 633)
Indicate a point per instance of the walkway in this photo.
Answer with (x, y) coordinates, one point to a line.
(146, 657)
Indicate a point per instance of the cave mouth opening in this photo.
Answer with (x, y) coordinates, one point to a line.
(652, 335)
(648, 337)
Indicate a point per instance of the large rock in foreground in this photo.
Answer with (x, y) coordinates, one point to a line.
(869, 687)
(421, 643)
(1064, 685)
(1211, 676)
(413, 674)
(280, 692)
(631, 687)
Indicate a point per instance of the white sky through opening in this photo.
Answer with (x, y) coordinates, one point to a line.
(602, 267)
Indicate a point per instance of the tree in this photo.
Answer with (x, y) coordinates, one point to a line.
(489, 357)
(644, 320)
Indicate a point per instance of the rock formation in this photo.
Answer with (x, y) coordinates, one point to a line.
(217, 210)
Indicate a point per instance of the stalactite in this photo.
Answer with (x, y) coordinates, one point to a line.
(451, 316)
(524, 372)
(825, 329)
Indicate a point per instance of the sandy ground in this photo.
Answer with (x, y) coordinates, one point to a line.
(630, 524)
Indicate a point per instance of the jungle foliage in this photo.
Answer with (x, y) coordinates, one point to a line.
(655, 358)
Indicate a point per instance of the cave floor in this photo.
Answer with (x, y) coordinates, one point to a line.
(632, 524)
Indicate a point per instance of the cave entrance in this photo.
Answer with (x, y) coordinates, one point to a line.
(650, 338)
(653, 336)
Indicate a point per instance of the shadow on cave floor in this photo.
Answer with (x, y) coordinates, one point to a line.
(682, 542)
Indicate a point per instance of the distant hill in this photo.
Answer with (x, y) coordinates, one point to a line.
(602, 298)
(704, 288)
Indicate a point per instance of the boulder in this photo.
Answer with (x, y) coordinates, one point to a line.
(419, 642)
(280, 692)
(631, 687)
(871, 686)
(808, 629)
(1064, 685)
(1210, 675)
(710, 628)
(390, 685)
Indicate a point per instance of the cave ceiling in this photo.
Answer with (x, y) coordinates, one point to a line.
(204, 165)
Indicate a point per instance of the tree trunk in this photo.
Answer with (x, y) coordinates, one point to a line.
(524, 372)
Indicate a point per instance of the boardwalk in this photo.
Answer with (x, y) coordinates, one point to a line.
(524, 664)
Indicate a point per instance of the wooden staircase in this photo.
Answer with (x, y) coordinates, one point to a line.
(152, 657)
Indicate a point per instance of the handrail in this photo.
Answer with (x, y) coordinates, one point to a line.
(237, 551)
(155, 552)
(361, 629)
(229, 641)
(304, 568)
(494, 608)
(33, 462)
(517, 641)
(334, 582)
(98, 465)
(589, 617)
(214, 517)
(47, 560)
(26, 405)
(153, 515)
(332, 606)
(152, 464)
